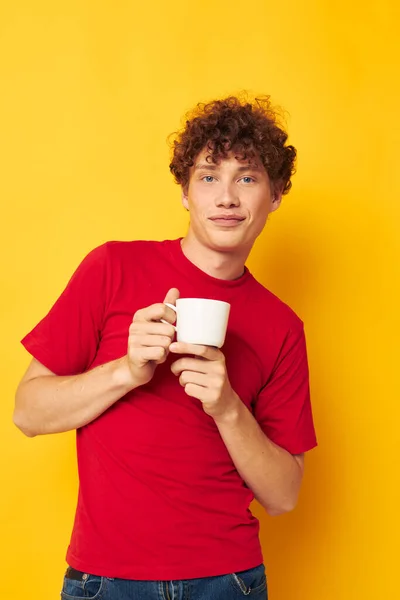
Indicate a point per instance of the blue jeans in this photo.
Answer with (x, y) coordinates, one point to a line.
(251, 583)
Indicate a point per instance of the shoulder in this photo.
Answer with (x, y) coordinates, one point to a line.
(122, 249)
(117, 260)
(117, 252)
(276, 309)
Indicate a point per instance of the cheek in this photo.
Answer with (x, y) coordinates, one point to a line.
(199, 200)
(260, 209)
(196, 210)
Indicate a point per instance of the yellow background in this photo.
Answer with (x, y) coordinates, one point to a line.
(89, 93)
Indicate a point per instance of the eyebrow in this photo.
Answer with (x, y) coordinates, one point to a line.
(210, 166)
(249, 168)
(214, 167)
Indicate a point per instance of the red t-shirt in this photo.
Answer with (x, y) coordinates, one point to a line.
(159, 495)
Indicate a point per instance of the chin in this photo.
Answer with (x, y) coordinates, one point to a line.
(228, 241)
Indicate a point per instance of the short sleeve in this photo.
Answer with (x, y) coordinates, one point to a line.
(66, 340)
(283, 407)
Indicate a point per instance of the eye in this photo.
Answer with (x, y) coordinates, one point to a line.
(208, 178)
(247, 179)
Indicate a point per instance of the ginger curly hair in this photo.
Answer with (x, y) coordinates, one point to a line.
(249, 129)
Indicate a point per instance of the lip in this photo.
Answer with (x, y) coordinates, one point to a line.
(227, 220)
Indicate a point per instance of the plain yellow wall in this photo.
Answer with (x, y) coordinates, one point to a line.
(89, 93)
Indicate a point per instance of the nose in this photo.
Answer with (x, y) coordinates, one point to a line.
(228, 198)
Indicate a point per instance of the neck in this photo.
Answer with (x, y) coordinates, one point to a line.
(228, 265)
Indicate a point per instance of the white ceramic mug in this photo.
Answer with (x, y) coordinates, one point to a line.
(201, 321)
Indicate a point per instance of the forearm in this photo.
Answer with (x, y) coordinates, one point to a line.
(272, 473)
(52, 404)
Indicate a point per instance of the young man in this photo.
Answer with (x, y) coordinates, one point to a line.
(175, 440)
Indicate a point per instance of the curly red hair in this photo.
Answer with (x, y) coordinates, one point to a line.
(250, 130)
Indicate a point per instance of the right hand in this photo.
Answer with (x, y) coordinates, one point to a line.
(149, 339)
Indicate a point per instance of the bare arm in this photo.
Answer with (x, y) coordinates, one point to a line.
(273, 474)
(47, 403)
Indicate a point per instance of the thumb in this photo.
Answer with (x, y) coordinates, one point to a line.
(172, 296)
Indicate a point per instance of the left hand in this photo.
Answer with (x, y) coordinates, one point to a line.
(204, 376)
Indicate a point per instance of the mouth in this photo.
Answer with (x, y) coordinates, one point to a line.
(227, 220)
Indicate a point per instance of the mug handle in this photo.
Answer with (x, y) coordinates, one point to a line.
(174, 309)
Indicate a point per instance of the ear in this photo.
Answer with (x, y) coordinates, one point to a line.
(185, 200)
(276, 200)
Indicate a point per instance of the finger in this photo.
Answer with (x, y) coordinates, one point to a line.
(187, 377)
(151, 328)
(189, 364)
(197, 391)
(155, 312)
(145, 354)
(172, 296)
(138, 341)
(207, 352)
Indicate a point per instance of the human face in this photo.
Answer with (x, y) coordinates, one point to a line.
(229, 202)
